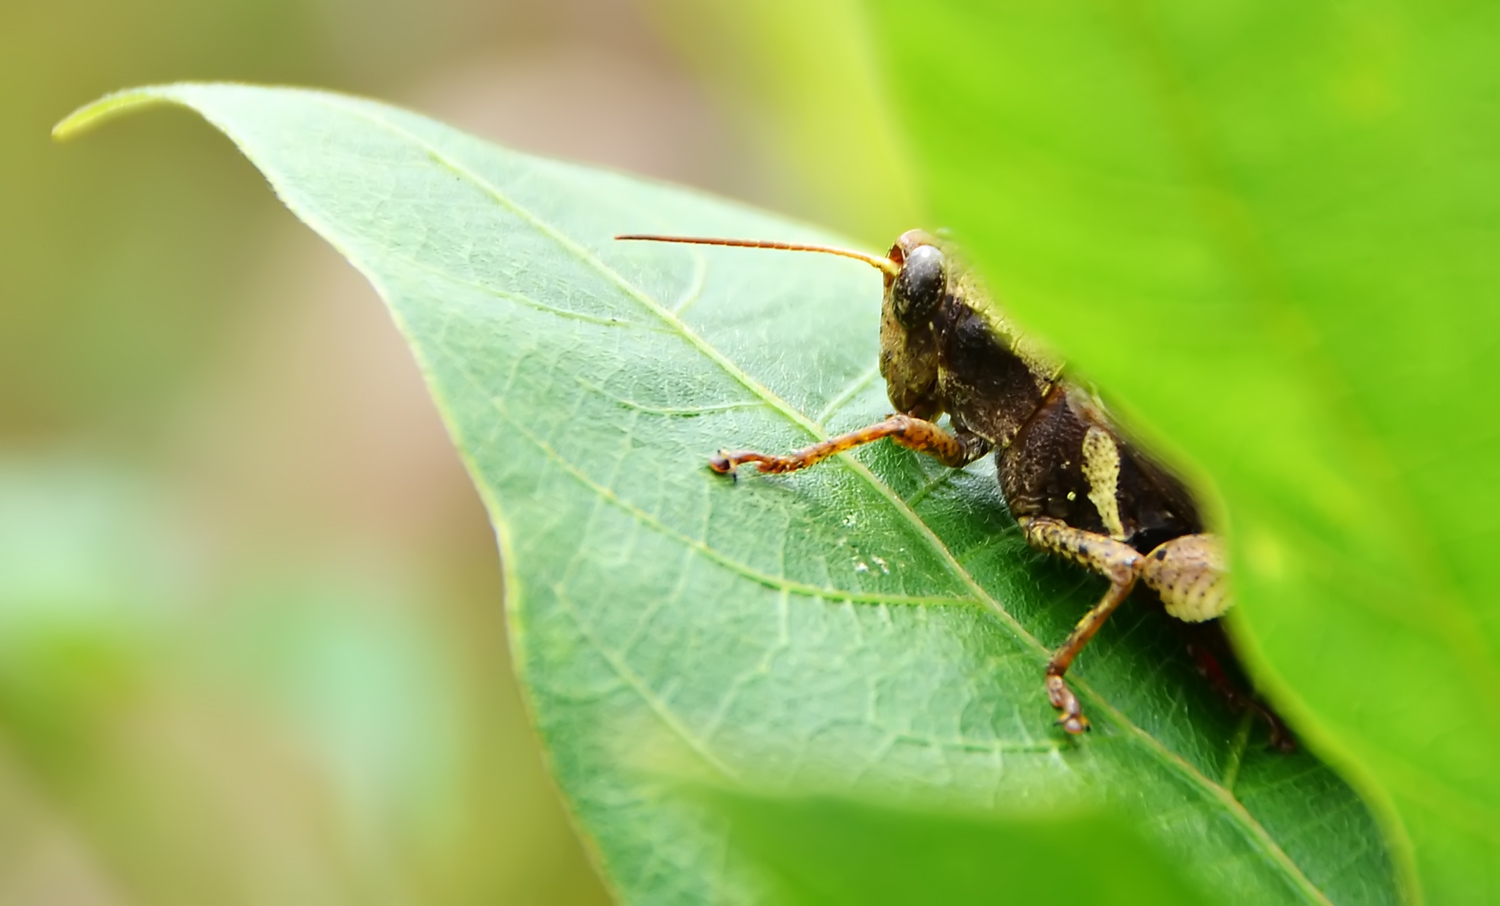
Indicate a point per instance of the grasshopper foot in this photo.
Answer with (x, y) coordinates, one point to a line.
(721, 463)
(1070, 714)
(726, 461)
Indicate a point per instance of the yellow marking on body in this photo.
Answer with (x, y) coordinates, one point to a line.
(1101, 468)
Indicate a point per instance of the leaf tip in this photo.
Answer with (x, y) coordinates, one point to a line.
(111, 105)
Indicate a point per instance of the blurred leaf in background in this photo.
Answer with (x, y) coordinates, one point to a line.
(177, 736)
(1271, 226)
(821, 850)
(801, 83)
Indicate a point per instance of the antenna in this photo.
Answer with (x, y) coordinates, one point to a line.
(887, 266)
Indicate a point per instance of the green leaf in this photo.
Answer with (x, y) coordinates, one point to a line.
(1272, 227)
(873, 628)
(823, 852)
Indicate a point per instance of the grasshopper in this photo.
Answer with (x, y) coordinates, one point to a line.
(1076, 485)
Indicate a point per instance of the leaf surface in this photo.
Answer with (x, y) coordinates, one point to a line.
(874, 628)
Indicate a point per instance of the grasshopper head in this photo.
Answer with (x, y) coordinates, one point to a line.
(908, 345)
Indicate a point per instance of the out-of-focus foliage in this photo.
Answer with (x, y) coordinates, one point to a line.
(1272, 226)
(873, 631)
(801, 81)
(108, 283)
(826, 852)
(119, 691)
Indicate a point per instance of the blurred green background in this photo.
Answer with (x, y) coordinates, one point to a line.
(251, 639)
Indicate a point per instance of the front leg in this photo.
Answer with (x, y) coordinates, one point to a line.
(950, 449)
(1114, 560)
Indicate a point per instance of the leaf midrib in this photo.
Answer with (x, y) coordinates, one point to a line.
(1255, 832)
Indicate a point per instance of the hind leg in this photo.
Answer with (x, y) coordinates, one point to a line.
(1191, 575)
(1114, 560)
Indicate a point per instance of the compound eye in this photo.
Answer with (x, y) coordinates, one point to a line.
(920, 286)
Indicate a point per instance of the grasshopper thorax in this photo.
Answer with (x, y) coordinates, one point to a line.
(945, 346)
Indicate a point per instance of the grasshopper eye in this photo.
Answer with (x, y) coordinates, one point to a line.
(920, 286)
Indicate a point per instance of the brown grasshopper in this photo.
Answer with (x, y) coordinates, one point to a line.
(1076, 485)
